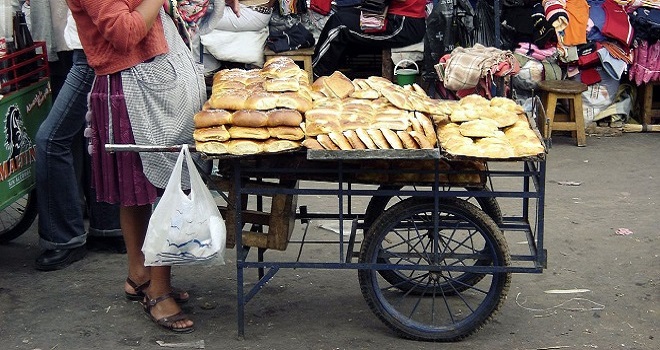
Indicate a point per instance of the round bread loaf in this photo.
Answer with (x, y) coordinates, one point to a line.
(249, 118)
(279, 145)
(261, 101)
(211, 117)
(241, 132)
(211, 147)
(241, 147)
(479, 128)
(229, 99)
(293, 133)
(214, 133)
(284, 117)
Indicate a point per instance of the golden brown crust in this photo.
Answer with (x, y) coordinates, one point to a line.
(326, 142)
(354, 140)
(366, 139)
(261, 101)
(241, 132)
(211, 147)
(284, 117)
(214, 133)
(339, 84)
(249, 118)
(229, 99)
(421, 139)
(293, 100)
(281, 84)
(340, 140)
(392, 138)
(312, 143)
(378, 138)
(321, 121)
(278, 145)
(241, 147)
(293, 133)
(479, 128)
(212, 117)
(407, 140)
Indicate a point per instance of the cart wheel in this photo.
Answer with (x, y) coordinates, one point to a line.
(18, 217)
(437, 305)
(378, 204)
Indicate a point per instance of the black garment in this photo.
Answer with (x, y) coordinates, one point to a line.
(342, 33)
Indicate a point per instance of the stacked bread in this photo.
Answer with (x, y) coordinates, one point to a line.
(368, 113)
(254, 111)
(495, 129)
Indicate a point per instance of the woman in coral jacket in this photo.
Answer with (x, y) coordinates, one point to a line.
(405, 25)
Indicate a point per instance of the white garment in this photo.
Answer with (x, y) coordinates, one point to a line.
(71, 32)
(250, 20)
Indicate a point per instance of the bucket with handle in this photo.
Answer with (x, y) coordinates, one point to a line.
(405, 76)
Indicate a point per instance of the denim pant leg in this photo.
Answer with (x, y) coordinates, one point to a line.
(61, 223)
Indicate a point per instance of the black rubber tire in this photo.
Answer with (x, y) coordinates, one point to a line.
(403, 232)
(377, 206)
(18, 217)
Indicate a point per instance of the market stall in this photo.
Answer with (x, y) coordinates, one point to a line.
(433, 250)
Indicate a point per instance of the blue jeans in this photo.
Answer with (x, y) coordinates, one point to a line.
(61, 224)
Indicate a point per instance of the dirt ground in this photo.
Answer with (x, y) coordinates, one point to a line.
(613, 183)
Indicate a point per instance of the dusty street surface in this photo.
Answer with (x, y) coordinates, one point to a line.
(613, 183)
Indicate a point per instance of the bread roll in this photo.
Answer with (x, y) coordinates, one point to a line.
(241, 132)
(479, 128)
(312, 143)
(427, 127)
(340, 140)
(366, 139)
(396, 97)
(369, 94)
(293, 100)
(281, 84)
(211, 147)
(261, 101)
(221, 85)
(339, 84)
(354, 140)
(293, 133)
(463, 114)
(501, 116)
(284, 117)
(321, 121)
(212, 117)
(421, 139)
(407, 140)
(326, 142)
(392, 138)
(280, 67)
(474, 100)
(528, 148)
(249, 118)
(214, 133)
(490, 147)
(377, 83)
(241, 147)
(229, 99)
(278, 145)
(378, 138)
(352, 121)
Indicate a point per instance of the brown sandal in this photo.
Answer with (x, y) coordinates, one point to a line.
(139, 292)
(166, 322)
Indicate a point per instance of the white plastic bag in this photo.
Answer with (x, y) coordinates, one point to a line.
(185, 229)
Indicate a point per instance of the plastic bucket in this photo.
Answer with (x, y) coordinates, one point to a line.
(405, 76)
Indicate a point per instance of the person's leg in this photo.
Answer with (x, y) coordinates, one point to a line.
(335, 36)
(61, 227)
(134, 221)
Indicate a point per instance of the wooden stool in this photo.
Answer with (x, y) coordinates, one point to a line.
(300, 55)
(650, 102)
(570, 90)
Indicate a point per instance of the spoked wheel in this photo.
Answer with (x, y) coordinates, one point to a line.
(17, 218)
(378, 204)
(427, 301)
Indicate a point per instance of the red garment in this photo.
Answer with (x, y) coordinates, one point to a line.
(116, 37)
(408, 8)
(617, 23)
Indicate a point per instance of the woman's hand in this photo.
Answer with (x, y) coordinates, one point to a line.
(233, 4)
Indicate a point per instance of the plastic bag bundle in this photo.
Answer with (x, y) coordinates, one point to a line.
(185, 229)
